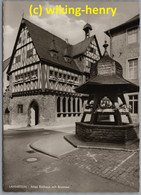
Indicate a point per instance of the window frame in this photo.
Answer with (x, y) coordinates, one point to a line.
(29, 52)
(134, 100)
(20, 108)
(128, 74)
(132, 28)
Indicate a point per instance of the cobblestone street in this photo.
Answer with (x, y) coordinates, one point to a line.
(83, 170)
(120, 166)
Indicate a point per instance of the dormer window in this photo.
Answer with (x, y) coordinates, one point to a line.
(53, 50)
(67, 59)
(67, 53)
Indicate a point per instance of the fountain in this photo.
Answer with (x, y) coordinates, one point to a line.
(106, 117)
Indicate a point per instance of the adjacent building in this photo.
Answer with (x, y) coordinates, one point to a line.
(43, 72)
(124, 47)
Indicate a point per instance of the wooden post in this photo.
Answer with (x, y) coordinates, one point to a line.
(117, 113)
(84, 113)
(94, 115)
(124, 102)
(66, 106)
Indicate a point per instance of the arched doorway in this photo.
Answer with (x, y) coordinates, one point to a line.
(7, 116)
(33, 113)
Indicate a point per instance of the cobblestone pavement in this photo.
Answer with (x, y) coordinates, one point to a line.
(120, 166)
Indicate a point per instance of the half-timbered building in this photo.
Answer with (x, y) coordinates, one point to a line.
(43, 72)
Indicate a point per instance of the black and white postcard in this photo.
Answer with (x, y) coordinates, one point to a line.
(71, 96)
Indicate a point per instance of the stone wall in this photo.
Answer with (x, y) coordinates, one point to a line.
(105, 133)
(46, 106)
(6, 105)
(47, 111)
(121, 51)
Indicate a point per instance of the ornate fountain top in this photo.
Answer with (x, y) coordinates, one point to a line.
(106, 74)
(105, 47)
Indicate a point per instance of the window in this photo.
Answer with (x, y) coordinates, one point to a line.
(64, 106)
(58, 107)
(69, 106)
(56, 74)
(78, 106)
(133, 68)
(18, 58)
(35, 72)
(20, 108)
(51, 73)
(72, 78)
(29, 53)
(73, 106)
(67, 59)
(133, 102)
(132, 35)
(21, 76)
(16, 78)
(58, 104)
(60, 75)
(64, 76)
(92, 50)
(28, 75)
(76, 78)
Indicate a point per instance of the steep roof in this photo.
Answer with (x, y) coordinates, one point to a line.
(128, 23)
(42, 40)
(81, 47)
(6, 63)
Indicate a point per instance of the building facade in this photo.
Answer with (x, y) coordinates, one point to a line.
(124, 47)
(43, 72)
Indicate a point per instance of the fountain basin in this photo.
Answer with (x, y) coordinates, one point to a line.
(105, 132)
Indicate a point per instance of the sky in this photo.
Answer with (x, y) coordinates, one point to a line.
(64, 26)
